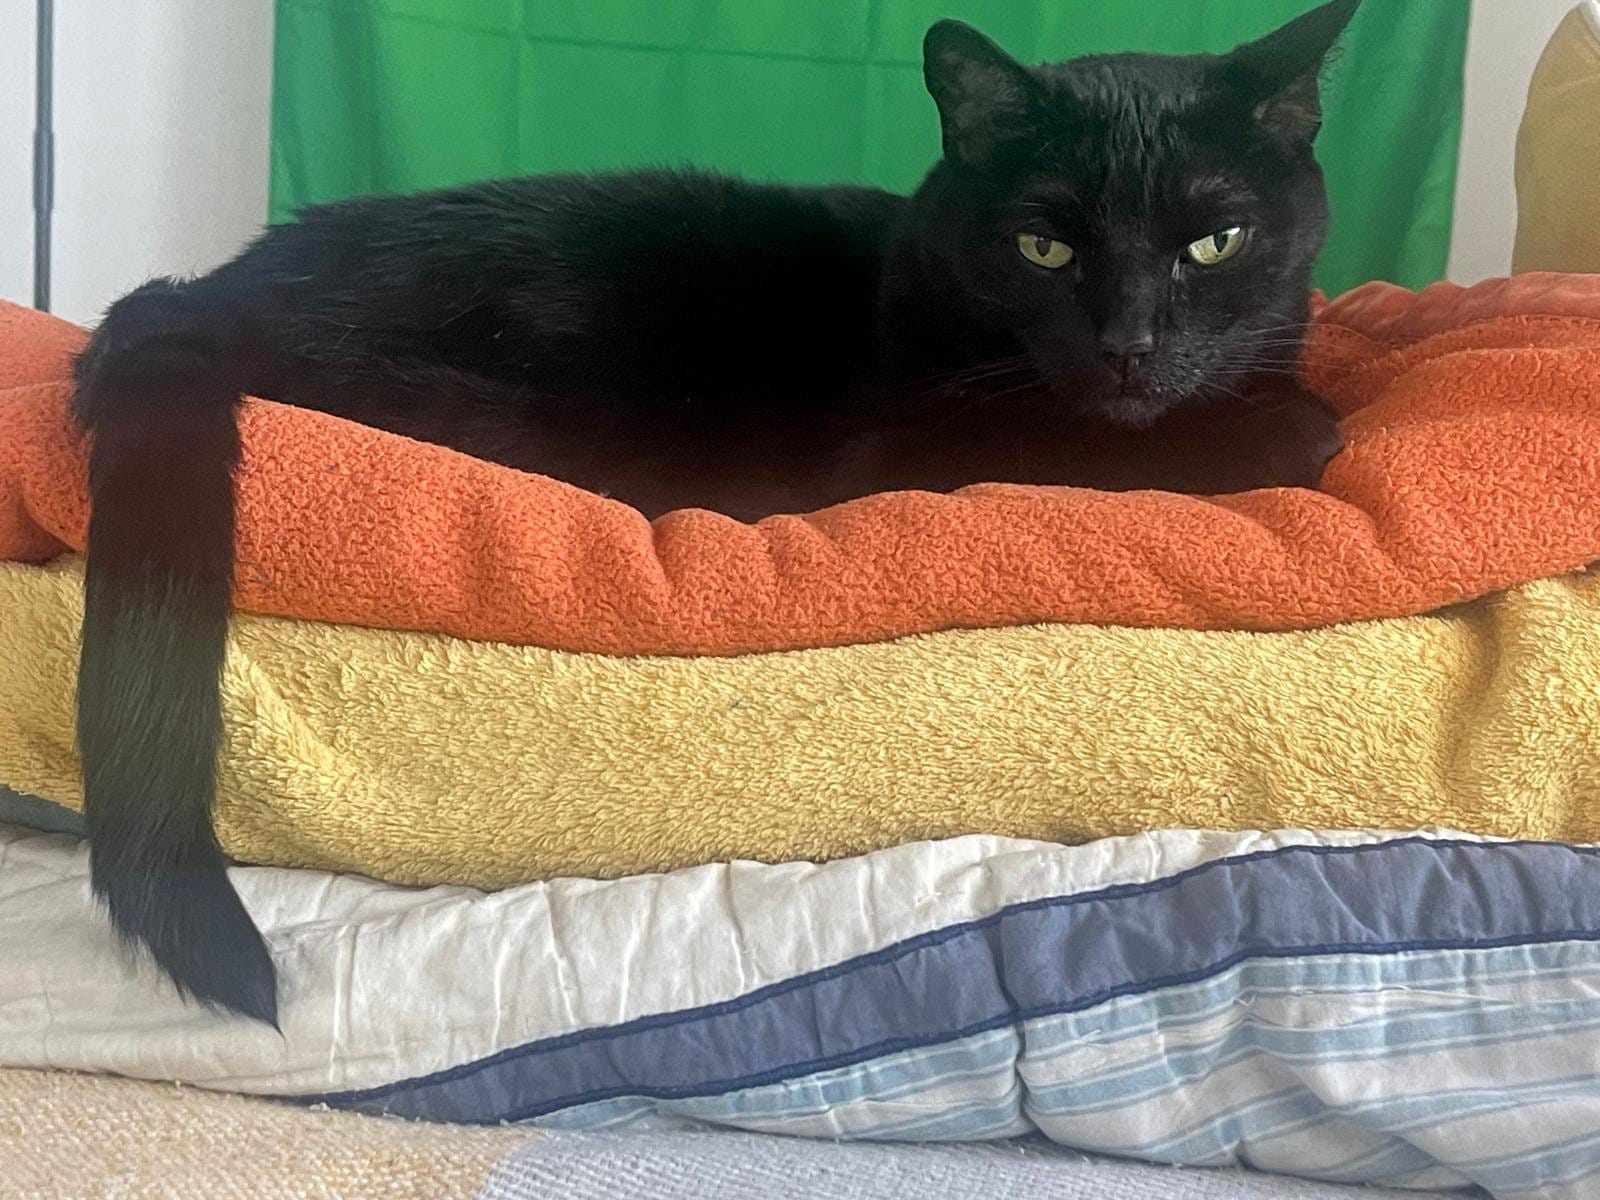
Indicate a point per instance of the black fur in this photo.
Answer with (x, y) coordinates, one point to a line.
(685, 339)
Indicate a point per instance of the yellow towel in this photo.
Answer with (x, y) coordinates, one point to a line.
(1558, 147)
(418, 758)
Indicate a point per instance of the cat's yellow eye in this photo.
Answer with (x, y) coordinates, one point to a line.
(1044, 251)
(1217, 247)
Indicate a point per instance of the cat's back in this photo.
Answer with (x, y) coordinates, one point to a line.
(686, 278)
(699, 230)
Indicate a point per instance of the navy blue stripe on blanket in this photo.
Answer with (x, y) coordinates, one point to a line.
(1036, 959)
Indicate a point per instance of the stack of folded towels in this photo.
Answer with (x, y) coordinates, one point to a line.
(1198, 830)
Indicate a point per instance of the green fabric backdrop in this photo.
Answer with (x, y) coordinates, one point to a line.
(386, 95)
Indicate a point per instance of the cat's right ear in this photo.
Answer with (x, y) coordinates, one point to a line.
(1279, 73)
(987, 100)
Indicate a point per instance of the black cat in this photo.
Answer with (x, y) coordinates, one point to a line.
(1104, 282)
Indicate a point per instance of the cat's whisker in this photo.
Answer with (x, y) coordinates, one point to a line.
(963, 374)
(983, 400)
(935, 387)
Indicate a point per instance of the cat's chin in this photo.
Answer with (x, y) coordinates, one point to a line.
(1126, 410)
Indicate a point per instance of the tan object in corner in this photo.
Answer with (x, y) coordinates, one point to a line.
(81, 1137)
(1558, 153)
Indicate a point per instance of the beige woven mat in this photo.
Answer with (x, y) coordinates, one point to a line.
(80, 1137)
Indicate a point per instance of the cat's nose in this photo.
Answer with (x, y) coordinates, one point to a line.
(1126, 364)
(1122, 349)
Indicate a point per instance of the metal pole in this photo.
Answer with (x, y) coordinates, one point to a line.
(44, 153)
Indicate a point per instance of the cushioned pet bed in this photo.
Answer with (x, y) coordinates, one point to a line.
(1474, 463)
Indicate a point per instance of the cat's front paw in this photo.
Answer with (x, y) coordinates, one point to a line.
(1281, 442)
(1310, 440)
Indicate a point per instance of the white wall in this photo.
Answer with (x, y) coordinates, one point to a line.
(162, 118)
(16, 151)
(1506, 39)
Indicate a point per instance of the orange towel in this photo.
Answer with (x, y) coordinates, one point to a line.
(1473, 464)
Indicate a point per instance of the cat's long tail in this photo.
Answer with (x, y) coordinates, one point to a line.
(157, 388)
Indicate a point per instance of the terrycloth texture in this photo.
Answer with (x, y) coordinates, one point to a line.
(1558, 145)
(77, 1137)
(370, 751)
(1474, 463)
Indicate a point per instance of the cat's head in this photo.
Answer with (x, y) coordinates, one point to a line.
(1143, 227)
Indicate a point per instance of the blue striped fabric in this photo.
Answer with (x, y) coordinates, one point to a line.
(1417, 1011)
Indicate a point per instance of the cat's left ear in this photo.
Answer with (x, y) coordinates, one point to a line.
(987, 99)
(1279, 74)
